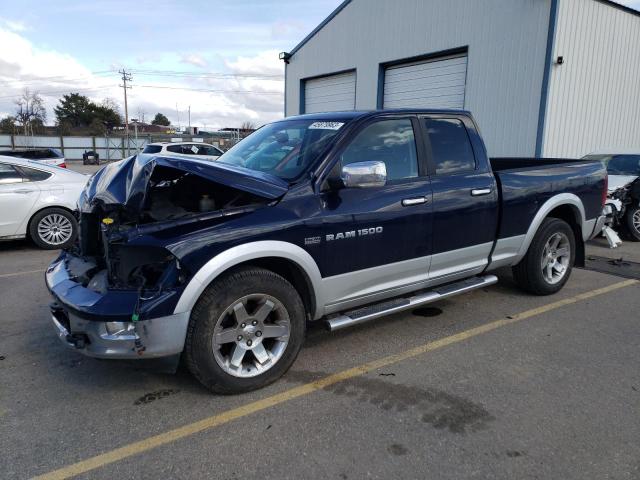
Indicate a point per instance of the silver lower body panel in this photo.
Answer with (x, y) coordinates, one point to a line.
(153, 338)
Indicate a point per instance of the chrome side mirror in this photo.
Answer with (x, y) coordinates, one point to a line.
(364, 174)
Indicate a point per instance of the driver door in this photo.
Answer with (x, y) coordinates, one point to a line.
(377, 240)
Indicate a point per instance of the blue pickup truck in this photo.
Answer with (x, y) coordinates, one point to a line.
(336, 217)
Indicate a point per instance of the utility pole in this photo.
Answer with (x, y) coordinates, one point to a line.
(126, 77)
(189, 119)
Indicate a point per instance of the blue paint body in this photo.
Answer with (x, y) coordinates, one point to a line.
(450, 220)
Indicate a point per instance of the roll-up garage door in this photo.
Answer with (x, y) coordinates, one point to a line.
(436, 83)
(331, 93)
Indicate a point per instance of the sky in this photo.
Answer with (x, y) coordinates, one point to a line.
(64, 46)
(219, 57)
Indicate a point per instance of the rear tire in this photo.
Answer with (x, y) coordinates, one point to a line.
(632, 222)
(53, 228)
(245, 331)
(548, 263)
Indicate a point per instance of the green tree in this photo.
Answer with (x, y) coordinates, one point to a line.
(161, 119)
(97, 127)
(106, 116)
(74, 109)
(8, 125)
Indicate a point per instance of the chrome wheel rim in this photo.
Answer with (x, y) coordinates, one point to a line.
(636, 220)
(555, 258)
(55, 229)
(251, 335)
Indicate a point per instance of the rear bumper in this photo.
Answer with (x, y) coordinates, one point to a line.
(599, 224)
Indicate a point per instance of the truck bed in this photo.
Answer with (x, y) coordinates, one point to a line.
(525, 184)
(499, 164)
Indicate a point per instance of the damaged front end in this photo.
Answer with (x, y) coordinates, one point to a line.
(116, 289)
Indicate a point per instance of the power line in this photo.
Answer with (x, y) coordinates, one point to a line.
(208, 90)
(221, 75)
(47, 93)
(56, 79)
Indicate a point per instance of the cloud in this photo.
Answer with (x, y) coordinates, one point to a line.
(265, 63)
(13, 25)
(227, 102)
(194, 59)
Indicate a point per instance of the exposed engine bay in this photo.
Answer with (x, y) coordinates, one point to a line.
(146, 197)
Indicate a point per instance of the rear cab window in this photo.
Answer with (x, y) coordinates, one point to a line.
(451, 148)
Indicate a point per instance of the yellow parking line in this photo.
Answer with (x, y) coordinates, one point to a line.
(15, 274)
(253, 407)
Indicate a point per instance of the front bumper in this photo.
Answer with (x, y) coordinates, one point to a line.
(154, 338)
(80, 317)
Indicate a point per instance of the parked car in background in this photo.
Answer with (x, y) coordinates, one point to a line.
(46, 156)
(623, 198)
(37, 200)
(201, 150)
(90, 157)
(338, 217)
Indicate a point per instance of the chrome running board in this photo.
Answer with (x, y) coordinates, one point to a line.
(377, 310)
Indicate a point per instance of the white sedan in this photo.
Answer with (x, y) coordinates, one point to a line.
(201, 151)
(37, 200)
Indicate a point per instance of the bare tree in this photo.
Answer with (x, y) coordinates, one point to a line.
(111, 104)
(30, 111)
(248, 125)
(141, 114)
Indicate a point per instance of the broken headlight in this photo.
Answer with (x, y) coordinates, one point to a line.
(144, 267)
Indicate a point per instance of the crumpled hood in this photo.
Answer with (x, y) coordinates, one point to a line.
(125, 182)
(617, 181)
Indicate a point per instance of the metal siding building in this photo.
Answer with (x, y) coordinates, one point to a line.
(594, 96)
(495, 58)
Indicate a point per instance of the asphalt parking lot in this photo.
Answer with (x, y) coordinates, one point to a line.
(491, 384)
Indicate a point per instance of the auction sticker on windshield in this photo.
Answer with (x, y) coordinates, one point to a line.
(326, 125)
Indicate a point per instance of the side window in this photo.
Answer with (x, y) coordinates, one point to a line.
(388, 141)
(450, 145)
(174, 148)
(190, 149)
(152, 149)
(8, 174)
(33, 175)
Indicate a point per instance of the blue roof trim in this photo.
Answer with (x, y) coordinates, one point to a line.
(544, 94)
(319, 27)
(619, 6)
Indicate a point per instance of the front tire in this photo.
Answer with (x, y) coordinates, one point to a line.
(632, 221)
(245, 331)
(53, 228)
(548, 263)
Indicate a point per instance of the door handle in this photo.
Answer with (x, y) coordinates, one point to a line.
(407, 202)
(23, 190)
(476, 192)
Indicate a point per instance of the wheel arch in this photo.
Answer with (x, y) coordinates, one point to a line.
(567, 207)
(283, 258)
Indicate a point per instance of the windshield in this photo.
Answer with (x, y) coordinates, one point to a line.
(619, 164)
(285, 149)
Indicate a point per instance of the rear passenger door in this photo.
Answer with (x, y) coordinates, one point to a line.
(465, 201)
